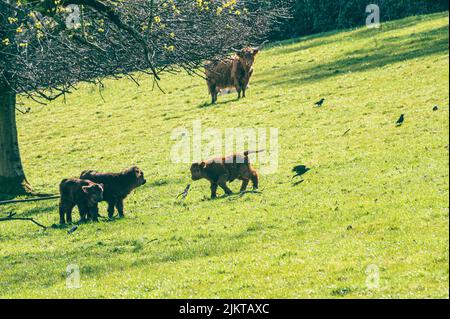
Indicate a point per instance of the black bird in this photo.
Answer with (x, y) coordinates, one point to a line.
(185, 193)
(72, 230)
(320, 103)
(436, 108)
(300, 170)
(400, 120)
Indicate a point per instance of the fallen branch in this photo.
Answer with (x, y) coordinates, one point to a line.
(16, 201)
(11, 217)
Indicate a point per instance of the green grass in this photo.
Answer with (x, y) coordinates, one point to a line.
(390, 184)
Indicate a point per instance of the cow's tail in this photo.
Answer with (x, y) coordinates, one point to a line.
(247, 153)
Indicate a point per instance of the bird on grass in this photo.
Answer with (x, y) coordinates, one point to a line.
(185, 193)
(436, 108)
(319, 103)
(401, 120)
(72, 230)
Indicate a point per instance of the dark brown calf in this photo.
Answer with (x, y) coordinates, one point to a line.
(220, 171)
(82, 193)
(117, 186)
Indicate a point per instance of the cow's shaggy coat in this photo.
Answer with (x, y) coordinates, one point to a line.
(231, 72)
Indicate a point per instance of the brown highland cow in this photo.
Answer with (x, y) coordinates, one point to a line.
(231, 72)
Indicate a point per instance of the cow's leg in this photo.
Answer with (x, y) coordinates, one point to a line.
(210, 87)
(69, 209)
(255, 179)
(244, 185)
(119, 206)
(93, 212)
(213, 92)
(244, 86)
(62, 213)
(238, 89)
(246, 81)
(84, 213)
(244, 89)
(216, 93)
(223, 184)
(111, 205)
(213, 190)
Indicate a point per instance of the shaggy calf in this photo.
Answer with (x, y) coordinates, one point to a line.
(234, 71)
(220, 171)
(82, 193)
(117, 186)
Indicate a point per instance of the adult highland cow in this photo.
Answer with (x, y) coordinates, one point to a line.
(231, 72)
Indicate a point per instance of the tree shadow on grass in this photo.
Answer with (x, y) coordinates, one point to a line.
(325, 38)
(388, 51)
(53, 208)
(37, 210)
(97, 257)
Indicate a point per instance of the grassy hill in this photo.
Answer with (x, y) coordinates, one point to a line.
(377, 195)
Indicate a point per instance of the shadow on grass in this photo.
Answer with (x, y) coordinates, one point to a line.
(38, 210)
(53, 208)
(160, 183)
(325, 38)
(97, 256)
(205, 105)
(388, 51)
(234, 196)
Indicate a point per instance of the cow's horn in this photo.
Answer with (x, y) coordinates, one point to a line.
(262, 44)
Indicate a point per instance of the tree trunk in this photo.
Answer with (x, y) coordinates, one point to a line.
(12, 176)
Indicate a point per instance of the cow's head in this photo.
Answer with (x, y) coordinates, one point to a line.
(136, 176)
(197, 171)
(94, 192)
(247, 56)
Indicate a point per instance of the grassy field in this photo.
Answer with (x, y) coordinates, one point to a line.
(377, 195)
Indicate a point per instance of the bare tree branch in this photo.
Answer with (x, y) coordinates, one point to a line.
(43, 53)
(16, 201)
(11, 217)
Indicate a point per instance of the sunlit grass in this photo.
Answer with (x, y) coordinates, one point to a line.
(389, 184)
